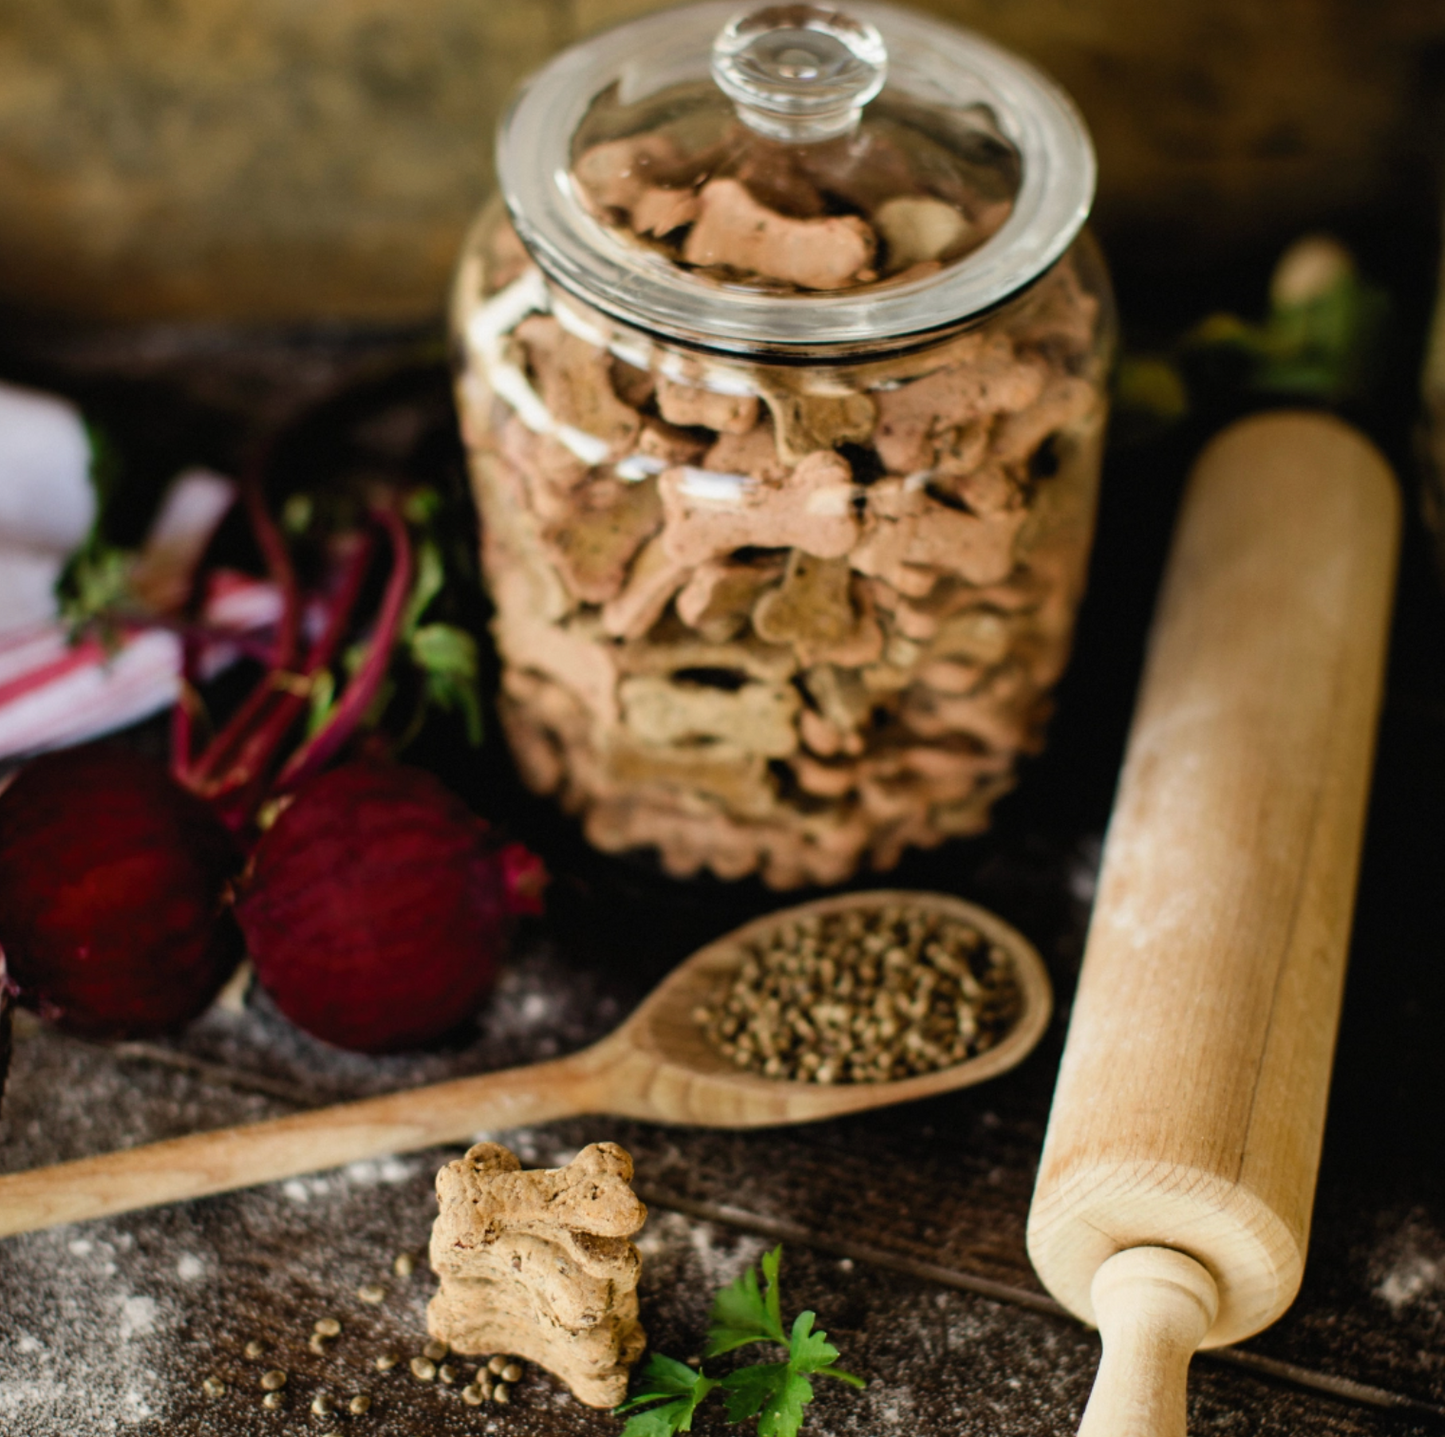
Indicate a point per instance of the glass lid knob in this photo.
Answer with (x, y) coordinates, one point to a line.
(799, 73)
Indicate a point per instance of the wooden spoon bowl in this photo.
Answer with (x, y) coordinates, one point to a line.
(694, 1083)
(658, 1066)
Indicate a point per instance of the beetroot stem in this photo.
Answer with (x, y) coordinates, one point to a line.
(283, 575)
(181, 712)
(230, 772)
(357, 697)
(278, 562)
(197, 635)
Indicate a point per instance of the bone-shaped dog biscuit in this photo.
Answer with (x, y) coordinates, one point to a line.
(707, 515)
(539, 1264)
(733, 229)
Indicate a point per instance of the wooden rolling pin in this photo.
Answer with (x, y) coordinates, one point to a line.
(1173, 1201)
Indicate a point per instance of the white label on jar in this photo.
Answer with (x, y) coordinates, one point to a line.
(487, 331)
(511, 384)
(503, 312)
(637, 467)
(716, 380)
(574, 324)
(587, 447)
(709, 487)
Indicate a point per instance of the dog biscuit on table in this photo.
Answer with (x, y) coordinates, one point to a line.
(538, 1264)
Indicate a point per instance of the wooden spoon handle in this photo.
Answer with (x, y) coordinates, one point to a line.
(229, 1158)
(1153, 1305)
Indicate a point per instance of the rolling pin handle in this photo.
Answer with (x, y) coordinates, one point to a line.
(1153, 1306)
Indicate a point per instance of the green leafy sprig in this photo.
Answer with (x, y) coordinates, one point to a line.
(745, 1312)
(437, 663)
(1325, 339)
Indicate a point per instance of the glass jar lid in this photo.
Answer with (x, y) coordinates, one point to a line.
(794, 181)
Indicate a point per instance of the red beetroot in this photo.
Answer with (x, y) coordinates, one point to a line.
(377, 905)
(113, 885)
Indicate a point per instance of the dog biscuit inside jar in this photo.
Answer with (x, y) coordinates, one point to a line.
(782, 361)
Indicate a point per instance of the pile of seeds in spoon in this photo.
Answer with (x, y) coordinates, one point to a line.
(863, 996)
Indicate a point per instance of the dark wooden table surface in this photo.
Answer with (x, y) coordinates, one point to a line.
(903, 1229)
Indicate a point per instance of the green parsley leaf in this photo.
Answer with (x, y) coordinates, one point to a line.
(773, 1392)
(662, 1377)
(678, 1388)
(675, 1416)
(742, 1314)
(746, 1311)
(783, 1415)
(750, 1389)
(809, 1351)
(772, 1261)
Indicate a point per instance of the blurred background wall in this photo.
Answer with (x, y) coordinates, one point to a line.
(289, 161)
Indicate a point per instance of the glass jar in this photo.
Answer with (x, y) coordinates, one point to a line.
(782, 364)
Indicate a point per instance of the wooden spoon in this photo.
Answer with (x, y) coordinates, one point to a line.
(658, 1066)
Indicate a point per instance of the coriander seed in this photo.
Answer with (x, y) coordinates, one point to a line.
(502, 1393)
(423, 1369)
(273, 1400)
(511, 1373)
(327, 1327)
(359, 1404)
(404, 1265)
(372, 1292)
(385, 1361)
(273, 1380)
(435, 1350)
(496, 1364)
(255, 1348)
(446, 1374)
(473, 1395)
(323, 1403)
(872, 995)
(213, 1387)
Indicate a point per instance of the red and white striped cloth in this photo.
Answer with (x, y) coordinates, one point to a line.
(54, 692)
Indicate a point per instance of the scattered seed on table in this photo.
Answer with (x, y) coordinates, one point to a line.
(323, 1403)
(404, 1265)
(511, 1373)
(213, 1387)
(473, 1395)
(435, 1349)
(423, 1369)
(255, 1348)
(273, 1400)
(327, 1327)
(273, 1380)
(496, 1364)
(372, 1292)
(385, 1361)
(359, 1404)
(502, 1393)
(446, 1373)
